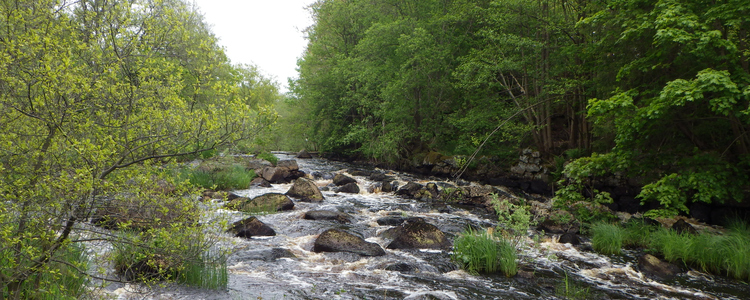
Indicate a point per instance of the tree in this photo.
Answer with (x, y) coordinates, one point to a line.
(89, 91)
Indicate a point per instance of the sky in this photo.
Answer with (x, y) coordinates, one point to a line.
(265, 33)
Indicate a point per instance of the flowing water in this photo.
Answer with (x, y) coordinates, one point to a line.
(284, 266)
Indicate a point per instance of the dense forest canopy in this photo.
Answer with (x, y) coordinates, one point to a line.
(657, 90)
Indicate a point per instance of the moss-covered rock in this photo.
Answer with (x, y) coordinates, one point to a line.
(337, 240)
(306, 190)
(418, 234)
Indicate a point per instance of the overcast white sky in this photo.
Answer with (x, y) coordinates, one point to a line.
(266, 33)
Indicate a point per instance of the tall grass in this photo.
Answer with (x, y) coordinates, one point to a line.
(483, 252)
(607, 238)
(207, 271)
(58, 280)
(727, 254)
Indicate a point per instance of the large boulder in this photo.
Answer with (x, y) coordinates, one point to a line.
(327, 215)
(336, 240)
(351, 188)
(288, 164)
(257, 164)
(341, 179)
(267, 202)
(251, 227)
(304, 154)
(306, 190)
(274, 174)
(418, 234)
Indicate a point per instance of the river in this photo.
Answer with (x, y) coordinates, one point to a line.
(285, 267)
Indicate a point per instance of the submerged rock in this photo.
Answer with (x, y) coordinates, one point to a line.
(337, 240)
(306, 190)
(328, 215)
(396, 220)
(251, 227)
(264, 203)
(268, 255)
(418, 234)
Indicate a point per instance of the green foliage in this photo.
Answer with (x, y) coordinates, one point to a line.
(269, 157)
(485, 252)
(61, 279)
(607, 238)
(170, 254)
(230, 177)
(513, 217)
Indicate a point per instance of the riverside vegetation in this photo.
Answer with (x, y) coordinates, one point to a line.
(102, 103)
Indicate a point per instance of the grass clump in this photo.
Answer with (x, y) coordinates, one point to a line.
(60, 279)
(607, 238)
(568, 289)
(485, 252)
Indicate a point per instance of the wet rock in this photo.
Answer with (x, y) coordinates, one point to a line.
(401, 268)
(684, 227)
(304, 154)
(267, 202)
(289, 164)
(327, 215)
(388, 186)
(251, 227)
(569, 238)
(336, 240)
(341, 179)
(409, 190)
(306, 190)
(363, 173)
(419, 234)
(432, 188)
(257, 164)
(274, 174)
(351, 188)
(396, 220)
(268, 255)
(651, 266)
(322, 175)
(378, 176)
(260, 182)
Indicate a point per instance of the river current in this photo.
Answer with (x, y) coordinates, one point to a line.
(285, 267)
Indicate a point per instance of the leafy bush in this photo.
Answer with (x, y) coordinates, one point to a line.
(485, 252)
(607, 238)
(60, 280)
(174, 254)
(514, 217)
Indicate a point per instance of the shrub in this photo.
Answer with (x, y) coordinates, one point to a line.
(175, 254)
(514, 217)
(607, 238)
(60, 280)
(485, 253)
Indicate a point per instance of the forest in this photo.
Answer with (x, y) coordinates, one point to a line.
(104, 103)
(654, 90)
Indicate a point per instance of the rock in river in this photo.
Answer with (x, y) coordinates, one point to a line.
(336, 240)
(418, 234)
(306, 190)
(268, 202)
(251, 227)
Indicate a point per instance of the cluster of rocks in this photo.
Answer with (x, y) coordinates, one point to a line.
(530, 166)
(408, 233)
